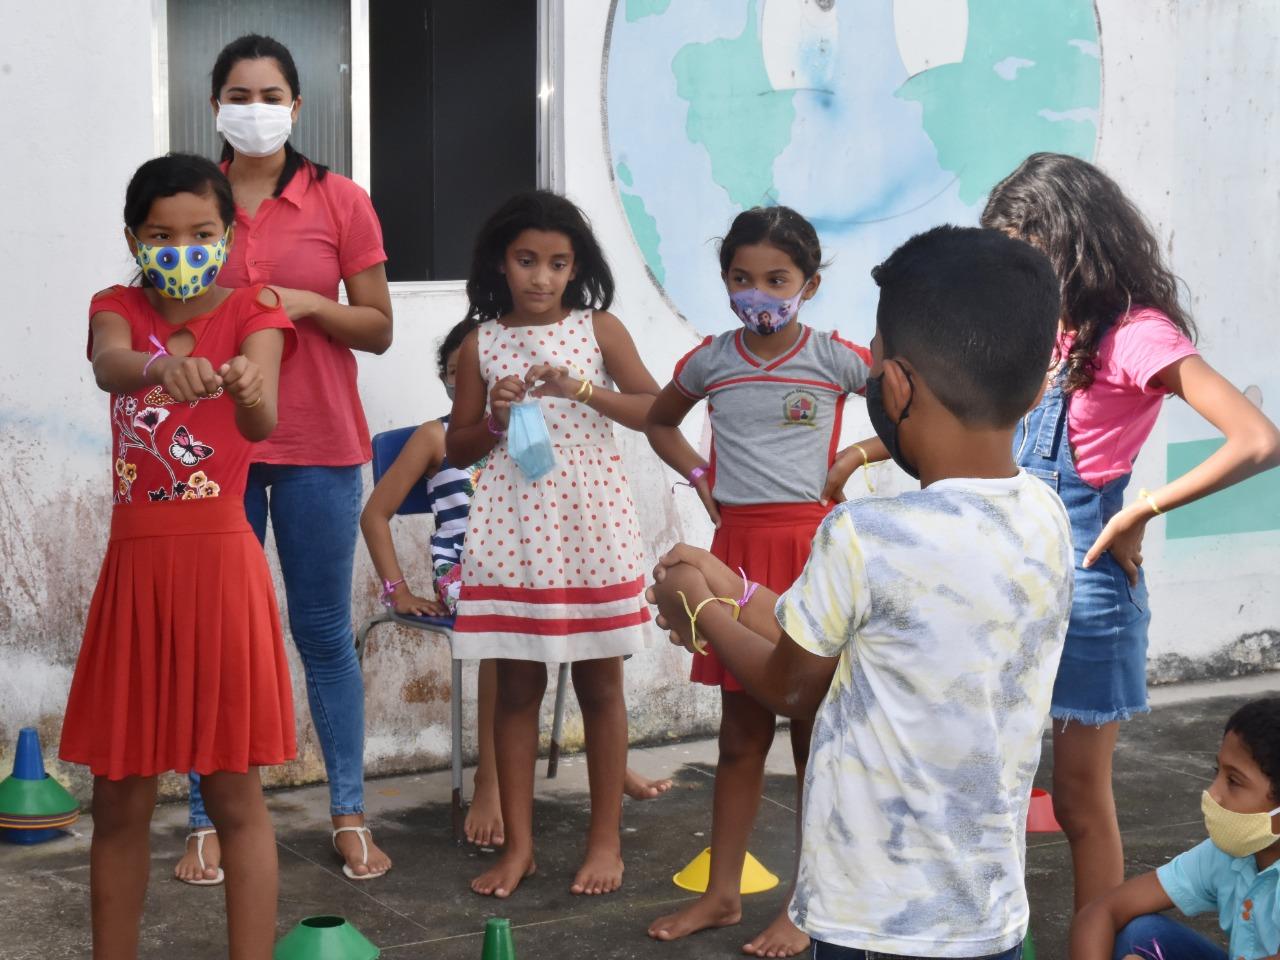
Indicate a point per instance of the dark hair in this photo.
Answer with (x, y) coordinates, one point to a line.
(1257, 724)
(487, 290)
(779, 227)
(253, 46)
(1105, 253)
(977, 313)
(452, 341)
(170, 175)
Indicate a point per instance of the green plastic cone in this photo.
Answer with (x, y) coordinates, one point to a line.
(497, 940)
(325, 938)
(35, 798)
(1028, 948)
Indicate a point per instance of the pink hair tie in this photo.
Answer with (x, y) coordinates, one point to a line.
(696, 474)
(749, 588)
(160, 351)
(494, 429)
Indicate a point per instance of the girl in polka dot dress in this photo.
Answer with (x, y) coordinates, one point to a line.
(552, 572)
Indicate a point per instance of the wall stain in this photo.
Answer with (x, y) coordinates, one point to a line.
(429, 688)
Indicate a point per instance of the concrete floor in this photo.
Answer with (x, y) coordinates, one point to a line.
(423, 909)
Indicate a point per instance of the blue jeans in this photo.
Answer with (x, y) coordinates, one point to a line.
(1177, 942)
(315, 514)
(830, 951)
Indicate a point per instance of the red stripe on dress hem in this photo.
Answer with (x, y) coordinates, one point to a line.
(617, 591)
(497, 623)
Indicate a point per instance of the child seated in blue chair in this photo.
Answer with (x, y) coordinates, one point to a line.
(449, 490)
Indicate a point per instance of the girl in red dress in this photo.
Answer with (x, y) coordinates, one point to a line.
(182, 666)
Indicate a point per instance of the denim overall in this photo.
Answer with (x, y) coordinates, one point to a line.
(1103, 674)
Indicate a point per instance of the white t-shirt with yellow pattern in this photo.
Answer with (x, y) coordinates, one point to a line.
(947, 608)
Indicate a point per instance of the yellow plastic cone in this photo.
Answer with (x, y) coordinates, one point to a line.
(696, 876)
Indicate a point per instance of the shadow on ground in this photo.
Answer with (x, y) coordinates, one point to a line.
(424, 909)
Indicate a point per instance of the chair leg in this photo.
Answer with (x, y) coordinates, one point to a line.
(455, 709)
(362, 635)
(557, 724)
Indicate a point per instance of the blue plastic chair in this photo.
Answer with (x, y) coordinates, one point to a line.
(386, 447)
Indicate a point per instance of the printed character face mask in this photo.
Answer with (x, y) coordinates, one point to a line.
(1237, 834)
(763, 313)
(181, 271)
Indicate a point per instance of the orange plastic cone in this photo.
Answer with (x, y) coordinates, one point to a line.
(1040, 818)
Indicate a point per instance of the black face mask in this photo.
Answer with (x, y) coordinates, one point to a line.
(885, 428)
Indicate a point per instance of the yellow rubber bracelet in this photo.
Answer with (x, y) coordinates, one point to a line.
(1151, 501)
(866, 466)
(693, 616)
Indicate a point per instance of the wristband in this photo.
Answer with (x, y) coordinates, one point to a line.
(159, 352)
(493, 426)
(1151, 501)
(866, 465)
(388, 588)
(693, 617)
(696, 474)
(749, 588)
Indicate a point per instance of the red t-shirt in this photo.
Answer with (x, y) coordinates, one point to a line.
(166, 450)
(312, 236)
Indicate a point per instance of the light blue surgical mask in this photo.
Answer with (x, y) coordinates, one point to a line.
(529, 441)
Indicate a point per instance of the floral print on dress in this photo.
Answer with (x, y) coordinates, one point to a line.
(136, 428)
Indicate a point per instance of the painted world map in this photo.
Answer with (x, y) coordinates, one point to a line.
(875, 119)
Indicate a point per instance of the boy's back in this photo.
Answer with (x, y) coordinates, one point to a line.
(947, 608)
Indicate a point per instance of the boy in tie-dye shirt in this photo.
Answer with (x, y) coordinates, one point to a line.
(928, 625)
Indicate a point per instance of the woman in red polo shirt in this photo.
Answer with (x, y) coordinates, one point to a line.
(303, 229)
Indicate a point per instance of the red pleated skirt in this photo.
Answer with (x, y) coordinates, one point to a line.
(182, 666)
(771, 542)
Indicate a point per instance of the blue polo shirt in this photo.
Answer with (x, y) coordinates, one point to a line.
(1248, 902)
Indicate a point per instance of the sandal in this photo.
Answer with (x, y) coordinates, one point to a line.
(202, 882)
(361, 832)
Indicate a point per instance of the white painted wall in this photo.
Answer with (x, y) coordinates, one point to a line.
(1189, 128)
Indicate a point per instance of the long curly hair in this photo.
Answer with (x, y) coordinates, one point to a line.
(1104, 252)
(487, 291)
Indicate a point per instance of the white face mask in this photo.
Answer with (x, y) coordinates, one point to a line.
(255, 129)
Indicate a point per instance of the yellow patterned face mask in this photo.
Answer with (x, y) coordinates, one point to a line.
(1237, 834)
(183, 271)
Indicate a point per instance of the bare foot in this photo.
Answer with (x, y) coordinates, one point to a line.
(642, 788)
(705, 913)
(484, 816)
(188, 868)
(352, 852)
(782, 938)
(504, 876)
(601, 871)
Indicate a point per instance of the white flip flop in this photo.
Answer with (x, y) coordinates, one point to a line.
(202, 882)
(361, 832)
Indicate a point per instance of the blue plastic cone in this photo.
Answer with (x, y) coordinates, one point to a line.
(28, 762)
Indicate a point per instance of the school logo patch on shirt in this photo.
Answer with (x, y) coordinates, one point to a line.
(800, 409)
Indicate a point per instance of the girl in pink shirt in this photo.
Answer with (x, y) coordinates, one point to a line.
(1125, 344)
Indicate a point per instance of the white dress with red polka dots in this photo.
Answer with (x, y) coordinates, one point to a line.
(552, 569)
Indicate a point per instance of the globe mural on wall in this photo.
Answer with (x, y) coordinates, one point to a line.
(874, 119)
